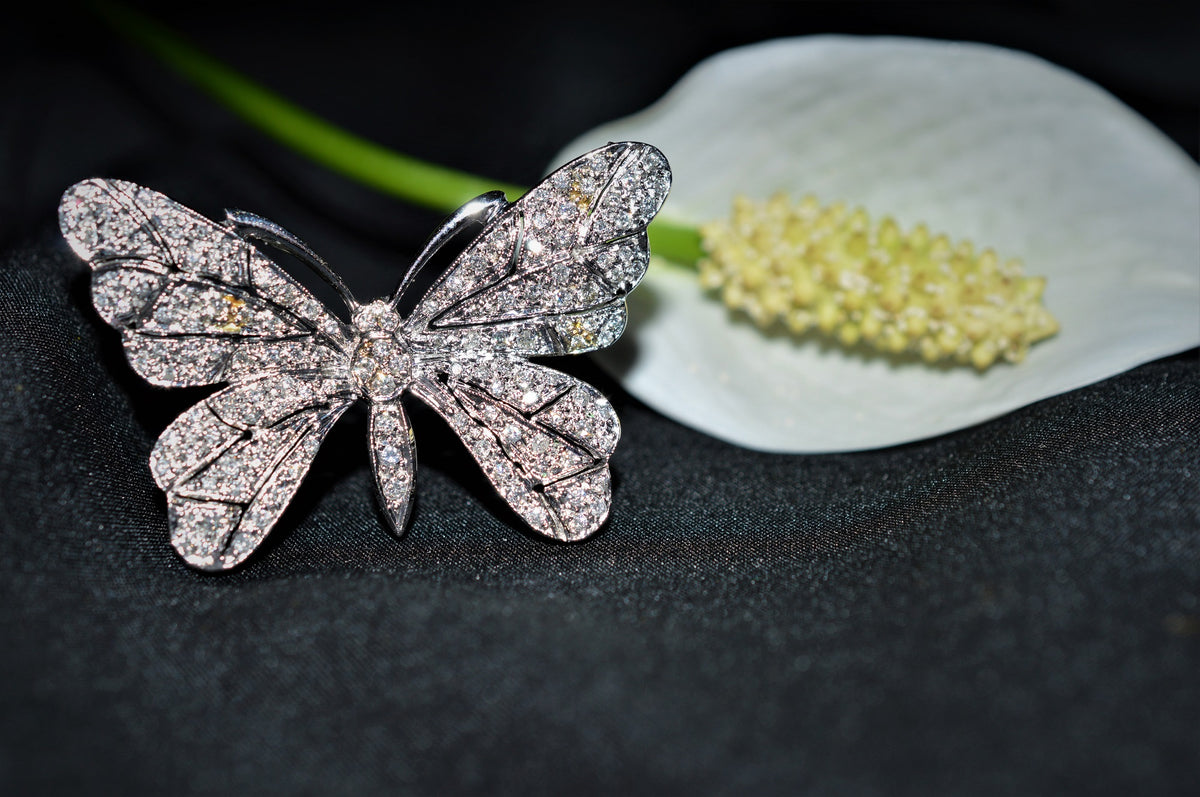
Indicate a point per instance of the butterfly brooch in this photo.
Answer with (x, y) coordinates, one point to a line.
(197, 303)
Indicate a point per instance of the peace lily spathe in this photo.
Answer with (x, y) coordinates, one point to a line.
(982, 143)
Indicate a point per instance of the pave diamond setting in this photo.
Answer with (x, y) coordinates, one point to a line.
(382, 362)
(381, 365)
(197, 304)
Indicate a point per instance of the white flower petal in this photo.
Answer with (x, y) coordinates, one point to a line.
(977, 142)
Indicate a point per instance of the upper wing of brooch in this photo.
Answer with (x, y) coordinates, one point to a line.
(547, 276)
(194, 302)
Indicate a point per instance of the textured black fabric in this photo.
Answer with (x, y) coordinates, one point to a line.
(1013, 608)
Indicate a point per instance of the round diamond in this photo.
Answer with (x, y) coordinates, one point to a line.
(397, 487)
(511, 434)
(381, 365)
(384, 383)
(537, 517)
(377, 315)
(389, 455)
(386, 423)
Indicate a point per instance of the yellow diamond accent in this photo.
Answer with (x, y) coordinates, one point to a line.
(232, 318)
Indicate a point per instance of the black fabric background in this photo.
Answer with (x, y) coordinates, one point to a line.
(1013, 608)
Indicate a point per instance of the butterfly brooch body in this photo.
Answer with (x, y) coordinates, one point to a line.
(197, 303)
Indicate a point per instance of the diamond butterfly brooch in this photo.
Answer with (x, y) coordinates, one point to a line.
(197, 303)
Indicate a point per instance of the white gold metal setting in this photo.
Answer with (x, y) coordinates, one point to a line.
(197, 303)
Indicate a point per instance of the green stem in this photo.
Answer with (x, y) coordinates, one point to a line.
(413, 180)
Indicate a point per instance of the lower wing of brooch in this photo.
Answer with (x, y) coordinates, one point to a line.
(197, 303)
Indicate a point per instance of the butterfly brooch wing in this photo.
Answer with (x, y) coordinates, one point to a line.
(197, 304)
(547, 276)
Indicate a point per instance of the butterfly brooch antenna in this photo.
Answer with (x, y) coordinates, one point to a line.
(198, 304)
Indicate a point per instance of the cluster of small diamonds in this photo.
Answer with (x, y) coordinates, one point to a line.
(220, 533)
(577, 243)
(106, 219)
(552, 287)
(541, 438)
(633, 197)
(586, 417)
(622, 263)
(100, 221)
(488, 259)
(230, 467)
(200, 530)
(271, 397)
(240, 412)
(519, 384)
(392, 453)
(121, 295)
(274, 283)
(197, 305)
(195, 244)
(176, 362)
(582, 502)
(515, 488)
(189, 308)
(256, 357)
(543, 457)
(193, 439)
(240, 471)
(589, 331)
(546, 336)
(382, 361)
(539, 435)
(558, 212)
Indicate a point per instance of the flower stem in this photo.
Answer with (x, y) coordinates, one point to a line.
(422, 183)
